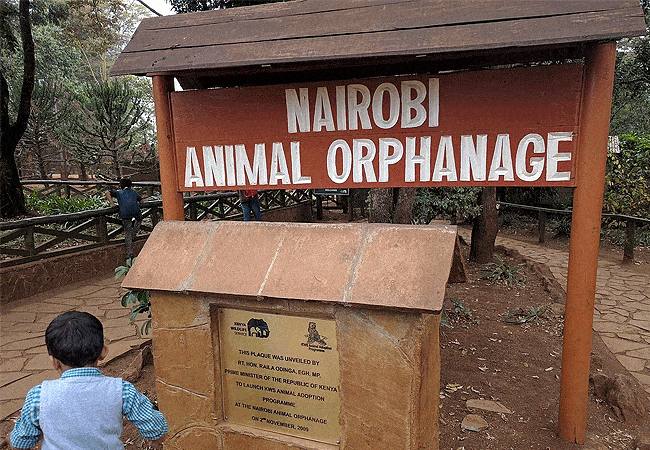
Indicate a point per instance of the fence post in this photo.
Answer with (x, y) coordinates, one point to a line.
(102, 229)
(628, 251)
(541, 217)
(154, 215)
(193, 214)
(319, 207)
(66, 190)
(30, 245)
(348, 200)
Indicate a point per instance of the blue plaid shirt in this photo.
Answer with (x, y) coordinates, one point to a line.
(136, 408)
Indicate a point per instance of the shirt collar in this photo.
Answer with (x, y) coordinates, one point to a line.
(82, 372)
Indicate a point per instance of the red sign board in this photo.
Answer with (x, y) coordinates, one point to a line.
(506, 127)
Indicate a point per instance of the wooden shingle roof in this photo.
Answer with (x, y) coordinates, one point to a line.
(342, 38)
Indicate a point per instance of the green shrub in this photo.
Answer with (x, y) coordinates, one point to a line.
(50, 205)
(628, 177)
(448, 203)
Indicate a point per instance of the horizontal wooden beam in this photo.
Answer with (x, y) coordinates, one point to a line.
(336, 32)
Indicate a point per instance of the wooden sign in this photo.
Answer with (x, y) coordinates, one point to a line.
(281, 373)
(506, 127)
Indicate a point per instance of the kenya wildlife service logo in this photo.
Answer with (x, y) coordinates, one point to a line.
(258, 328)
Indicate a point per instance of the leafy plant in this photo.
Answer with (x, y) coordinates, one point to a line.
(459, 313)
(453, 203)
(628, 177)
(500, 271)
(49, 205)
(520, 315)
(140, 299)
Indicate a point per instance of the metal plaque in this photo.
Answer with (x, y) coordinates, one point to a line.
(281, 373)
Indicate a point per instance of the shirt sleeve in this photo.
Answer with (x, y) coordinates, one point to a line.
(27, 431)
(140, 412)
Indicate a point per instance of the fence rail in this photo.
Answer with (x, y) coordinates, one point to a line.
(34, 238)
(543, 214)
(30, 239)
(80, 188)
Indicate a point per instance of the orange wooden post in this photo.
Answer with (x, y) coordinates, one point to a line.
(585, 241)
(172, 199)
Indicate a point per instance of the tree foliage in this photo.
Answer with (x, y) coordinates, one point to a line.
(628, 177)
(99, 29)
(41, 143)
(446, 203)
(186, 6)
(631, 96)
(111, 124)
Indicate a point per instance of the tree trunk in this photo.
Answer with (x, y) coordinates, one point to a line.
(82, 169)
(382, 205)
(485, 229)
(392, 205)
(12, 199)
(404, 206)
(65, 168)
(41, 165)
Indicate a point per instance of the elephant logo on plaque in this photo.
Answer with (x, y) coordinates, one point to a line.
(314, 336)
(258, 328)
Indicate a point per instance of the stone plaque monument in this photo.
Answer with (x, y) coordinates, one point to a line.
(281, 373)
(273, 336)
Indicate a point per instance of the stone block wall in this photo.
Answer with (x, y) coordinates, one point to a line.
(29, 279)
(389, 374)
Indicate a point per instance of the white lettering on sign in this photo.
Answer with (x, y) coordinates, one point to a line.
(235, 169)
(358, 108)
(418, 149)
(360, 157)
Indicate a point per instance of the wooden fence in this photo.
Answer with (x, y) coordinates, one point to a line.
(543, 215)
(80, 188)
(31, 239)
(34, 238)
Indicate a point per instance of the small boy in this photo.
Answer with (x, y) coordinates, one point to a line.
(129, 202)
(83, 409)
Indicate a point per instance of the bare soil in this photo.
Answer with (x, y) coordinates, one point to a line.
(486, 356)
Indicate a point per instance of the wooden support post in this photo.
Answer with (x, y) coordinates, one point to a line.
(171, 198)
(585, 240)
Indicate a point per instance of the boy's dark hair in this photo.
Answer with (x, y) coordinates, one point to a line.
(125, 183)
(75, 338)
